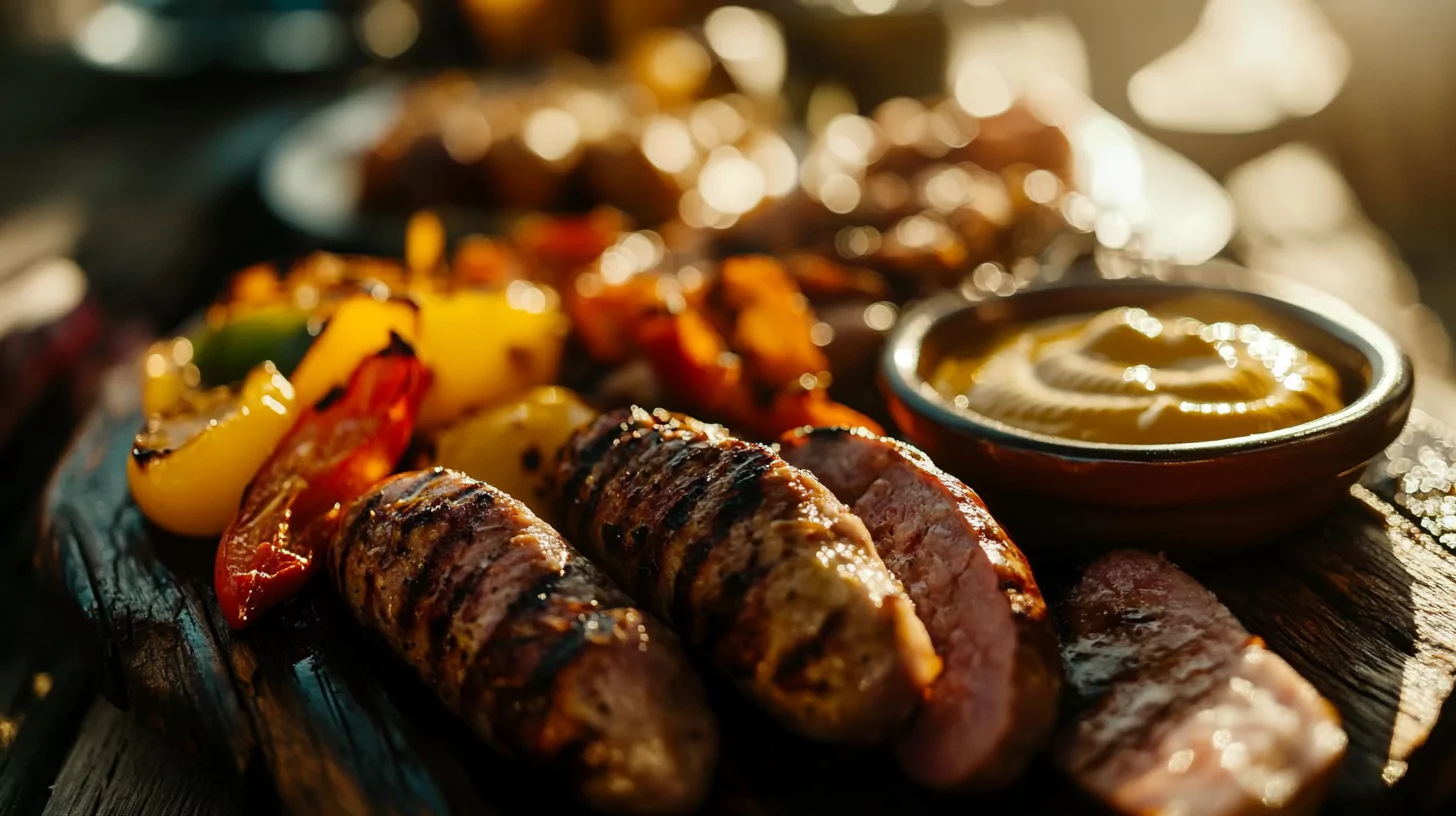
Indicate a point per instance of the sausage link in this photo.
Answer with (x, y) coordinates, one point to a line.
(755, 564)
(527, 641)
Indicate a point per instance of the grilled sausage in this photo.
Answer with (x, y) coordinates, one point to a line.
(1182, 710)
(755, 564)
(995, 702)
(526, 640)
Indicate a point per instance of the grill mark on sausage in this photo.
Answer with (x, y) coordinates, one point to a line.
(727, 608)
(681, 496)
(568, 648)
(745, 491)
(535, 596)
(444, 551)
(513, 631)
(592, 449)
(792, 666)
(682, 585)
(627, 446)
(682, 509)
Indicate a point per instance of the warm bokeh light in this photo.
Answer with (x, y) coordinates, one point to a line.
(389, 27)
(1248, 65)
(551, 133)
(751, 45)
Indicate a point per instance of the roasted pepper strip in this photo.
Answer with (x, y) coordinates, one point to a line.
(188, 468)
(337, 450)
(360, 327)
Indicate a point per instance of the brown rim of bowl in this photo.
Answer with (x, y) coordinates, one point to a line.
(1390, 377)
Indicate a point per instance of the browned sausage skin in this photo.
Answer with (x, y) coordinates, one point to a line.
(1182, 711)
(535, 649)
(755, 564)
(995, 702)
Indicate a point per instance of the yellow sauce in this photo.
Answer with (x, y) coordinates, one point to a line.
(1129, 377)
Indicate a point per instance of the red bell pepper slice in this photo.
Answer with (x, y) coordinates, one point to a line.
(336, 451)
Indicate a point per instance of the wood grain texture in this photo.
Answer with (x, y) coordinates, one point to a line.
(1358, 604)
(120, 767)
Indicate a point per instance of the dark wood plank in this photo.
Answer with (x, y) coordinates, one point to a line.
(44, 714)
(158, 648)
(1358, 604)
(120, 767)
(285, 691)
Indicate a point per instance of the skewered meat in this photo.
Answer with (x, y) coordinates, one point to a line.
(1185, 712)
(995, 702)
(541, 654)
(755, 564)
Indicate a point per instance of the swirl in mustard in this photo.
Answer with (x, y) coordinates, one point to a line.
(1126, 376)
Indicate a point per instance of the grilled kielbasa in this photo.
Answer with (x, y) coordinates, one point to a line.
(995, 702)
(755, 564)
(527, 641)
(1182, 710)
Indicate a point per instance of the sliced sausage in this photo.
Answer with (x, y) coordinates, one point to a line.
(1182, 711)
(530, 644)
(995, 702)
(755, 564)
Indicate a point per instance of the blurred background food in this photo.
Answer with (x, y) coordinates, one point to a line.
(880, 149)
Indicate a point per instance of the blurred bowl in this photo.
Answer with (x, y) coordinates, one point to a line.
(1070, 496)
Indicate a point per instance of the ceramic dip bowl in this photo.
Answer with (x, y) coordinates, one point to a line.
(1070, 496)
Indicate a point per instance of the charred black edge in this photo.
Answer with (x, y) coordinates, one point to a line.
(398, 347)
(327, 400)
(145, 456)
(531, 459)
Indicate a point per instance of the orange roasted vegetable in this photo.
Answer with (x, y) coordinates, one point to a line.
(773, 325)
(338, 449)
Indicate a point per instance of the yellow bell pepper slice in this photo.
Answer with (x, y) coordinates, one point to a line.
(484, 347)
(187, 471)
(514, 446)
(359, 328)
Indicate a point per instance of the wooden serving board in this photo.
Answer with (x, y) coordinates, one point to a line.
(308, 708)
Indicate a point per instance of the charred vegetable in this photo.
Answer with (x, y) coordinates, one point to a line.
(190, 465)
(338, 449)
(514, 447)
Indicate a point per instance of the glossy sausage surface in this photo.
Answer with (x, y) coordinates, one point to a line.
(538, 651)
(755, 564)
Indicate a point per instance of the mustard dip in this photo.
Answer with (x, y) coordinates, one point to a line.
(1129, 377)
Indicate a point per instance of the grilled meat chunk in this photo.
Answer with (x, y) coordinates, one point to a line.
(527, 641)
(995, 701)
(755, 564)
(1184, 711)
